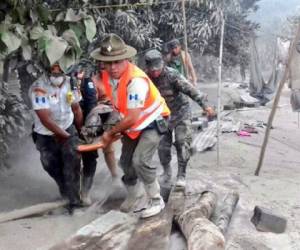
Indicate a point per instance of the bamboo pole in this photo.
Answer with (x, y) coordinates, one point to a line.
(185, 36)
(220, 91)
(276, 101)
(31, 211)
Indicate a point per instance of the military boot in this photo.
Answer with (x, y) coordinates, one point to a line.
(181, 177)
(156, 203)
(166, 176)
(85, 189)
(134, 194)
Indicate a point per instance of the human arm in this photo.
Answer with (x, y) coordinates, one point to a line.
(78, 116)
(101, 96)
(45, 117)
(182, 85)
(191, 69)
(127, 122)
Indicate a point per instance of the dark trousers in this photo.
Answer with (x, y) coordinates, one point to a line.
(89, 160)
(62, 162)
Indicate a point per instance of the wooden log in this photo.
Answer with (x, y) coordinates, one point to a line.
(110, 231)
(31, 211)
(200, 233)
(119, 231)
(228, 205)
(154, 233)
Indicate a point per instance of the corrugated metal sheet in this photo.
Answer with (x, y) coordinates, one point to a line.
(206, 139)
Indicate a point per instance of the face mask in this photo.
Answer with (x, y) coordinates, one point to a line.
(56, 80)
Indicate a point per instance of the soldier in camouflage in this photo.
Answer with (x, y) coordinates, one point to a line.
(176, 90)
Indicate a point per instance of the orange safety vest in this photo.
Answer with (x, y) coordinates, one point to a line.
(155, 104)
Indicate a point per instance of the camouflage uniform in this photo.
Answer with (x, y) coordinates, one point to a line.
(176, 89)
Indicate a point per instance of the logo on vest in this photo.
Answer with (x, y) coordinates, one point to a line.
(133, 97)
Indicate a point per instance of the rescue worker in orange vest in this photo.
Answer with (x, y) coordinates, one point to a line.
(144, 113)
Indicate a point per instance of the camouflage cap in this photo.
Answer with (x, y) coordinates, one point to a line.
(173, 43)
(154, 60)
(113, 48)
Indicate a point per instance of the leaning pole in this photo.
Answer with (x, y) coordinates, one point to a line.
(220, 90)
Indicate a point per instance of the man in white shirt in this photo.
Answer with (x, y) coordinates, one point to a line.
(56, 106)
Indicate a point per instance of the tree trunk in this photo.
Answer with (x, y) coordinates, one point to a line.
(110, 231)
(26, 80)
(120, 231)
(5, 72)
(201, 234)
(154, 233)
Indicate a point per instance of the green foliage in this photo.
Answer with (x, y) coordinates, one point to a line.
(43, 32)
(44, 36)
(145, 27)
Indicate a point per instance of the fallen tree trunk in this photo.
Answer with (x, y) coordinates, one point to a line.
(200, 233)
(120, 231)
(228, 205)
(154, 233)
(31, 211)
(110, 231)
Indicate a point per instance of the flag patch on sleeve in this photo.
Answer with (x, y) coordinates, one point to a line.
(133, 97)
(40, 99)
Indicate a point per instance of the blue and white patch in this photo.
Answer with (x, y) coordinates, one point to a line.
(40, 99)
(91, 85)
(137, 91)
(133, 97)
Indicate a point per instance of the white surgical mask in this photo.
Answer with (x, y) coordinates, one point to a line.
(56, 80)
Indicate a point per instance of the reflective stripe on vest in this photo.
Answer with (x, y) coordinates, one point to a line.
(154, 106)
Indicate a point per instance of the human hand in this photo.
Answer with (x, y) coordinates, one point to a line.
(210, 113)
(107, 138)
(62, 138)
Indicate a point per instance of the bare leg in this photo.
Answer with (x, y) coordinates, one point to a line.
(110, 159)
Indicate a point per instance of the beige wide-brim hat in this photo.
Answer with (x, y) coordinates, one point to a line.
(113, 48)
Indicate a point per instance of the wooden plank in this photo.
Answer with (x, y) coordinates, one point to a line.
(31, 211)
(119, 231)
(200, 233)
(154, 233)
(110, 231)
